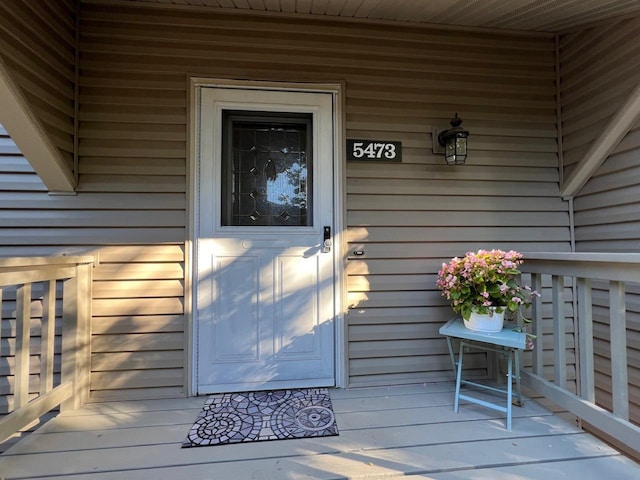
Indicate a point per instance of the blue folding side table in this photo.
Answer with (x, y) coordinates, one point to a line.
(507, 342)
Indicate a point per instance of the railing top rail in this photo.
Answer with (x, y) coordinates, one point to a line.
(22, 262)
(583, 257)
(623, 267)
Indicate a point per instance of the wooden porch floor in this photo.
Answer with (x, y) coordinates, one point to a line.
(409, 432)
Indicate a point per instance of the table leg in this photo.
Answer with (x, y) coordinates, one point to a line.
(458, 378)
(509, 389)
(518, 389)
(452, 354)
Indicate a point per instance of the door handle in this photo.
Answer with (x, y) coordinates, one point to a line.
(326, 244)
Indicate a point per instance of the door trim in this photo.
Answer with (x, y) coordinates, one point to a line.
(339, 208)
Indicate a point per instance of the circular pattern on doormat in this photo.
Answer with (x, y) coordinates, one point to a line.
(302, 419)
(224, 427)
(315, 418)
(270, 397)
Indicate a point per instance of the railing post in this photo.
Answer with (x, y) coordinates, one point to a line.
(559, 331)
(76, 313)
(585, 340)
(618, 329)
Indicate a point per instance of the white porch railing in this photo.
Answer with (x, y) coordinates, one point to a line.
(582, 271)
(18, 275)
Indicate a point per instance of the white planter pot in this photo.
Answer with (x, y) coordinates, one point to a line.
(491, 322)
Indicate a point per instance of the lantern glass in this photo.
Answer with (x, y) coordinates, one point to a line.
(454, 141)
(455, 149)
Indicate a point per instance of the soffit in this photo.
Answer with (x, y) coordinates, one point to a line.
(529, 15)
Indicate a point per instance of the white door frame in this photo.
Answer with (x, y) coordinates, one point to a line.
(339, 237)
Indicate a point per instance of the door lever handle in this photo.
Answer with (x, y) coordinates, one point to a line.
(326, 244)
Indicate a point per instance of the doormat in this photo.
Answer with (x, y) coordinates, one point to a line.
(258, 416)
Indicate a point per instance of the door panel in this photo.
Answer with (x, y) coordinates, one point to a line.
(235, 334)
(265, 292)
(297, 308)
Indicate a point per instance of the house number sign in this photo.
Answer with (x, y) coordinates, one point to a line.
(374, 151)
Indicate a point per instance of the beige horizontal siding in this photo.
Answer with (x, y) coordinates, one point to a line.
(94, 202)
(408, 218)
(133, 99)
(138, 330)
(38, 46)
(138, 311)
(598, 71)
(607, 209)
(15, 172)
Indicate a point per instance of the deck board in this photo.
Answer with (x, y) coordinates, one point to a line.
(408, 432)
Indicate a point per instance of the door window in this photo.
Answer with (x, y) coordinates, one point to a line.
(266, 169)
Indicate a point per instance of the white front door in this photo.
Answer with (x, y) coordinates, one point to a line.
(264, 207)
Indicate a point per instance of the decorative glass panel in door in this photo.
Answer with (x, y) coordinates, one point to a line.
(266, 169)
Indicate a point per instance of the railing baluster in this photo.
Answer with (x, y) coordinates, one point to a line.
(48, 337)
(585, 339)
(618, 328)
(536, 329)
(23, 337)
(559, 340)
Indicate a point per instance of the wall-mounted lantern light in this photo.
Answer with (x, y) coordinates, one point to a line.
(452, 142)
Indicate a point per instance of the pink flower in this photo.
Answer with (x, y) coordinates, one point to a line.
(484, 278)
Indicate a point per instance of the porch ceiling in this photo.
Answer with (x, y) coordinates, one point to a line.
(532, 15)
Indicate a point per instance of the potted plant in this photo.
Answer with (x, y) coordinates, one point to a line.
(483, 286)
